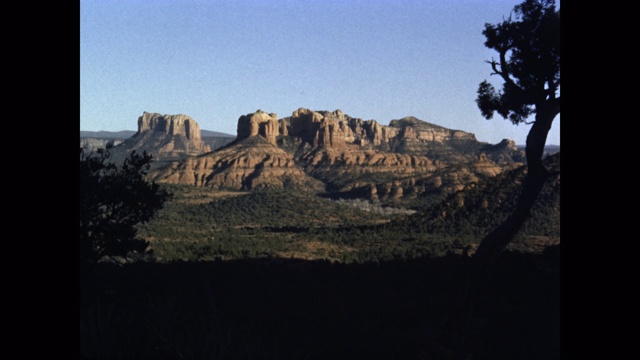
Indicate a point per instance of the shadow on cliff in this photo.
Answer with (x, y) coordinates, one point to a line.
(295, 309)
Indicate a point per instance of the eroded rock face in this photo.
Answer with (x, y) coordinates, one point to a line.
(249, 164)
(325, 129)
(166, 137)
(172, 125)
(259, 123)
(413, 128)
(335, 130)
(327, 150)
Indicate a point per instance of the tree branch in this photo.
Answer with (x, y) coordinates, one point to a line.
(505, 69)
(493, 66)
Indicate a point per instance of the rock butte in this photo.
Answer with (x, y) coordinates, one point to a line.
(336, 130)
(174, 125)
(166, 137)
(331, 151)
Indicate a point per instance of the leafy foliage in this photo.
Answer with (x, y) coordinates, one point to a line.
(529, 65)
(113, 200)
(529, 61)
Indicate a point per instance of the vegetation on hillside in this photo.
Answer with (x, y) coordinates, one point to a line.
(386, 291)
(385, 283)
(471, 214)
(258, 224)
(113, 199)
(200, 224)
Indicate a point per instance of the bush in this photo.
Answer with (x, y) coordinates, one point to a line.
(113, 200)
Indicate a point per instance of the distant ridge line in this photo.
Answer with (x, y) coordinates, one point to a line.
(548, 149)
(125, 134)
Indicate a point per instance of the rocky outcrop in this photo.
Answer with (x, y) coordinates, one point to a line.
(251, 163)
(336, 130)
(407, 159)
(379, 134)
(165, 137)
(332, 151)
(413, 128)
(504, 153)
(319, 129)
(174, 125)
(259, 123)
(387, 176)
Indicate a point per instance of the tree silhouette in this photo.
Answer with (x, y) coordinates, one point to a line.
(529, 64)
(528, 46)
(113, 200)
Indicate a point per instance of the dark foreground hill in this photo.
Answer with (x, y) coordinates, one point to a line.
(293, 309)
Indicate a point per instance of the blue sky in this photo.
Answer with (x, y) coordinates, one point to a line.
(216, 60)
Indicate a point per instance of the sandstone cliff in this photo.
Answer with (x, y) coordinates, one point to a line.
(259, 123)
(166, 137)
(413, 128)
(408, 159)
(174, 126)
(249, 164)
(347, 156)
(336, 130)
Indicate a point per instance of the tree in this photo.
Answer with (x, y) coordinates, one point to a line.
(528, 46)
(529, 65)
(113, 200)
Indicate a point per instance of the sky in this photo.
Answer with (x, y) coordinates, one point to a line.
(215, 60)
